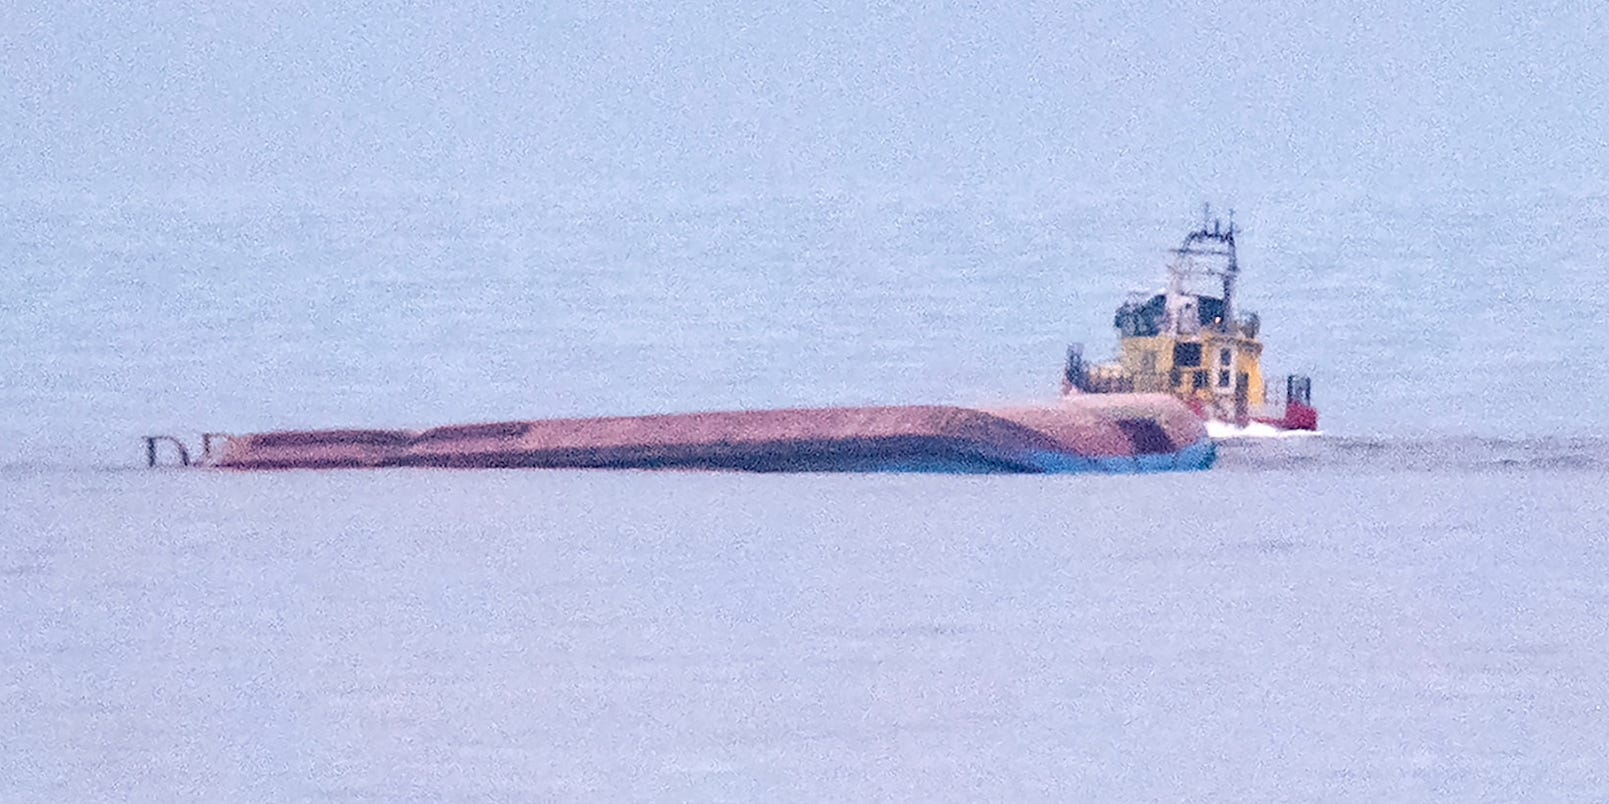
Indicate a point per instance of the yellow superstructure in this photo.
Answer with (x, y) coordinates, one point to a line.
(1203, 367)
(1187, 340)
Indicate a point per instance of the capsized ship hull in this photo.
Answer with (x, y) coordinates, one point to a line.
(1122, 433)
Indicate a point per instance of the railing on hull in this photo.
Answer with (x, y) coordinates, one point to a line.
(151, 442)
(209, 441)
(1298, 388)
(1107, 379)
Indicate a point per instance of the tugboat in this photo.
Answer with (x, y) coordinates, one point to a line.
(1192, 341)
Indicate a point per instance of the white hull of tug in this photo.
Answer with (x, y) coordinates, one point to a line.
(1220, 430)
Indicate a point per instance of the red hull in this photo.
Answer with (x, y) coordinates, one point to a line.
(1298, 417)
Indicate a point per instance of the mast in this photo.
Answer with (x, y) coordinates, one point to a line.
(1214, 241)
(1231, 270)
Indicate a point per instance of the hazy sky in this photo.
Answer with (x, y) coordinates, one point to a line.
(1116, 94)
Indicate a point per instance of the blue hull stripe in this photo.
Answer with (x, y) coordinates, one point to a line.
(1199, 455)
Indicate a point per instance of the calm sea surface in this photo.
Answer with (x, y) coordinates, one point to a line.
(1412, 606)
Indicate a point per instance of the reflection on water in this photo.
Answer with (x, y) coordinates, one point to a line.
(1451, 454)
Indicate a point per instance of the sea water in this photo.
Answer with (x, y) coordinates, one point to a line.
(1409, 606)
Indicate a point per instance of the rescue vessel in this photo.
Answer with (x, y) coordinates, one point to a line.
(1191, 340)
